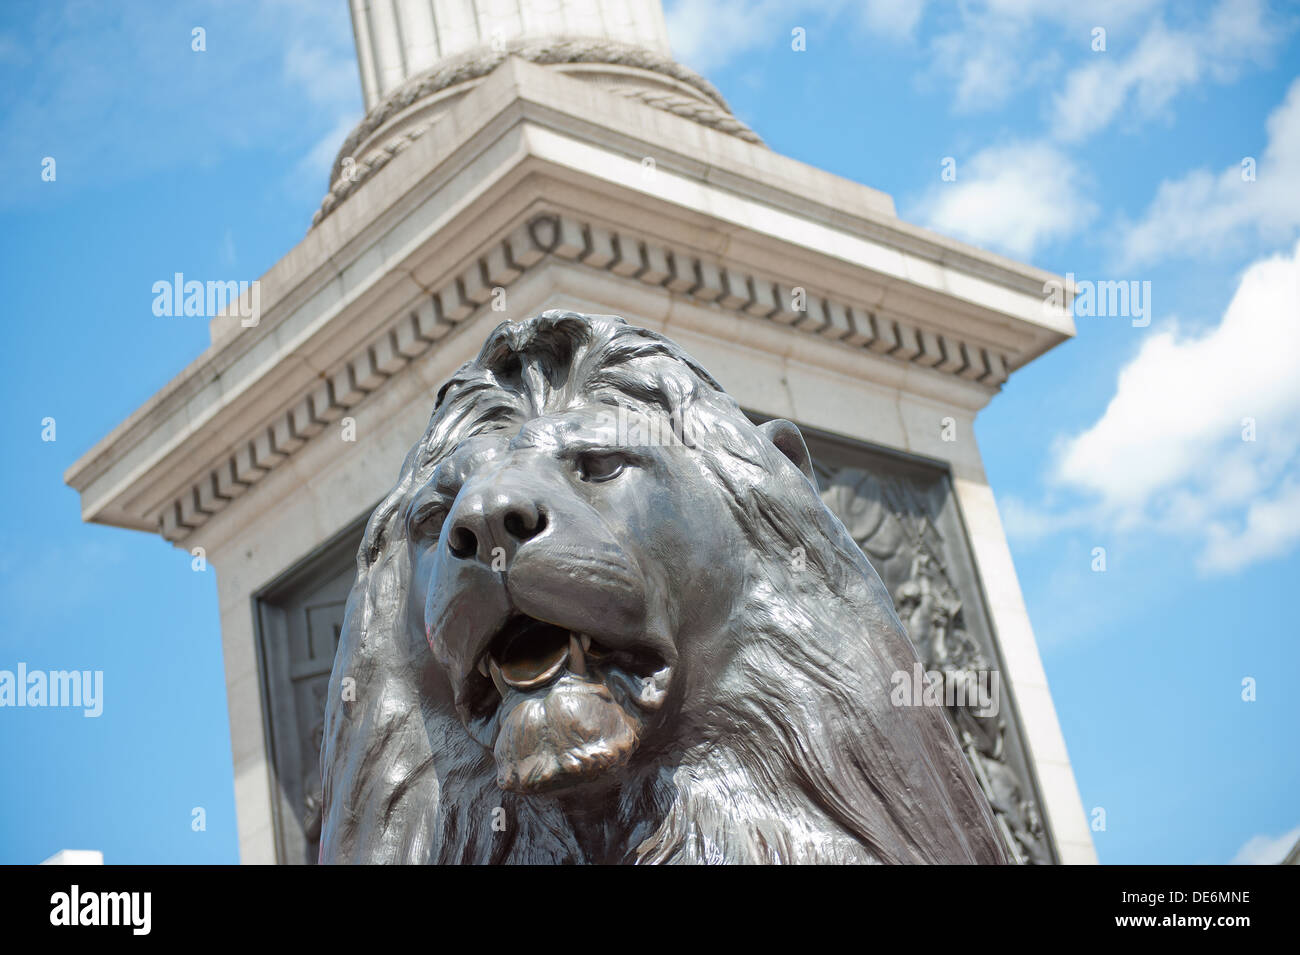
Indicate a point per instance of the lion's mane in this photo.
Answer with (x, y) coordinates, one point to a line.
(803, 759)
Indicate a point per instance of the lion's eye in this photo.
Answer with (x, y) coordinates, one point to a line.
(426, 522)
(600, 465)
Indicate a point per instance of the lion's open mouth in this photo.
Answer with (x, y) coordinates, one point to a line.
(558, 706)
(527, 655)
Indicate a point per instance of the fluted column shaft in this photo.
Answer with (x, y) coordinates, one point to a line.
(399, 39)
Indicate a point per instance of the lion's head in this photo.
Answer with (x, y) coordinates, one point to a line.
(604, 617)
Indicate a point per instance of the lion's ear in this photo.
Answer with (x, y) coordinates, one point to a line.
(789, 442)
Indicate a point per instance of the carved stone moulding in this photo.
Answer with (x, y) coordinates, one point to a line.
(904, 517)
(609, 248)
(413, 109)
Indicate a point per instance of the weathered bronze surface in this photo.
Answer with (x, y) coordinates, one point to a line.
(603, 617)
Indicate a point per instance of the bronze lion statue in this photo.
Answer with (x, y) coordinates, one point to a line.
(604, 618)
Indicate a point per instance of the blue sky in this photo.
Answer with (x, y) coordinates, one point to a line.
(1115, 164)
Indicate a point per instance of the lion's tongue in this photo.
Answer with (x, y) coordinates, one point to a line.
(537, 656)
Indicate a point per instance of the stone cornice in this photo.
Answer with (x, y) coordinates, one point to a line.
(727, 228)
(620, 251)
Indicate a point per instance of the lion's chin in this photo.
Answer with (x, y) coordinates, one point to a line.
(571, 733)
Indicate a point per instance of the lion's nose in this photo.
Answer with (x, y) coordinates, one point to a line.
(489, 525)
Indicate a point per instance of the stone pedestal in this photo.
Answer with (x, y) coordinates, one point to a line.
(535, 188)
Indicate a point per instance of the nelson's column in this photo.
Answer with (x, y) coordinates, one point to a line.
(533, 154)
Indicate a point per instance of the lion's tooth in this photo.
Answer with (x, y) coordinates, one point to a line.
(586, 641)
(483, 665)
(577, 662)
(652, 693)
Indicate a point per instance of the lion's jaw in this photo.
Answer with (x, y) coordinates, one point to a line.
(569, 709)
(564, 683)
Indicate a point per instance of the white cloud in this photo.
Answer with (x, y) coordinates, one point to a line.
(1029, 524)
(1202, 213)
(272, 76)
(1168, 452)
(984, 63)
(708, 35)
(1269, 529)
(323, 69)
(310, 175)
(999, 47)
(1093, 94)
(1164, 63)
(1266, 850)
(1015, 198)
(988, 50)
(895, 18)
